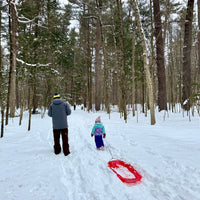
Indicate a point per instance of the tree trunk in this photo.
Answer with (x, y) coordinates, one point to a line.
(133, 70)
(146, 66)
(187, 57)
(34, 83)
(89, 71)
(14, 43)
(115, 82)
(0, 58)
(87, 54)
(30, 107)
(162, 99)
(172, 71)
(21, 101)
(152, 57)
(2, 122)
(121, 61)
(35, 98)
(106, 79)
(198, 2)
(98, 58)
(1, 82)
(9, 79)
(143, 94)
(115, 87)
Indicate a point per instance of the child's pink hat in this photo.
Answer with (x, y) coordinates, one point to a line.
(98, 119)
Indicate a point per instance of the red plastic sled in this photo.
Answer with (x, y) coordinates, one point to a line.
(125, 172)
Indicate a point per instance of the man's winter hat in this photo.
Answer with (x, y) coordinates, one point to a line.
(98, 119)
(56, 95)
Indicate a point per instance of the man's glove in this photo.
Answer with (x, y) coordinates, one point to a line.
(92, 135)
(104, 135)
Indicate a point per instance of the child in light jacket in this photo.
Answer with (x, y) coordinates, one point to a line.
(98, 131)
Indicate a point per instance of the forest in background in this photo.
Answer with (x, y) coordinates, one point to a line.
(119, 53)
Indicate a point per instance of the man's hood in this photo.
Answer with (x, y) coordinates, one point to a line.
(57, 101)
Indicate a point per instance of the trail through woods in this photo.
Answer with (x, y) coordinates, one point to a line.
(167, 155)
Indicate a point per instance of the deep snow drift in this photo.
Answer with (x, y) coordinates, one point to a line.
(166, 154)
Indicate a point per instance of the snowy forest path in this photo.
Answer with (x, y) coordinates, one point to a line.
(92, 164)
(166, 157)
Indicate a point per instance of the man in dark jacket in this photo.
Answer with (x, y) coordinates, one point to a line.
(58, 110)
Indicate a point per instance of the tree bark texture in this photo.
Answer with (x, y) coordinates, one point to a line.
(121, 60)
(14, 43)
(1, 81)
(198, 3)
(98, 58)
(133, 71)
(106, 80)
(87, 54)
(162, 99)
(186, 91)
(89, 70)
(8, 94)
(30, 107)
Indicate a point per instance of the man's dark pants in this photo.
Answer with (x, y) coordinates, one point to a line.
(65, 145)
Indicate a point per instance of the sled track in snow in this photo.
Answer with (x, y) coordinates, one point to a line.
(177, 189)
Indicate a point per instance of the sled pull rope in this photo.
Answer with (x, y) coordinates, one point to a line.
(110, 151)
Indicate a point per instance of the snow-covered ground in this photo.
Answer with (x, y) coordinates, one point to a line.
(167, 155)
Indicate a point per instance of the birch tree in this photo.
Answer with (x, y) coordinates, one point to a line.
(146, 61)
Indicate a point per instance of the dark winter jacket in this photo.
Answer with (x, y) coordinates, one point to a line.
(58, 110)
